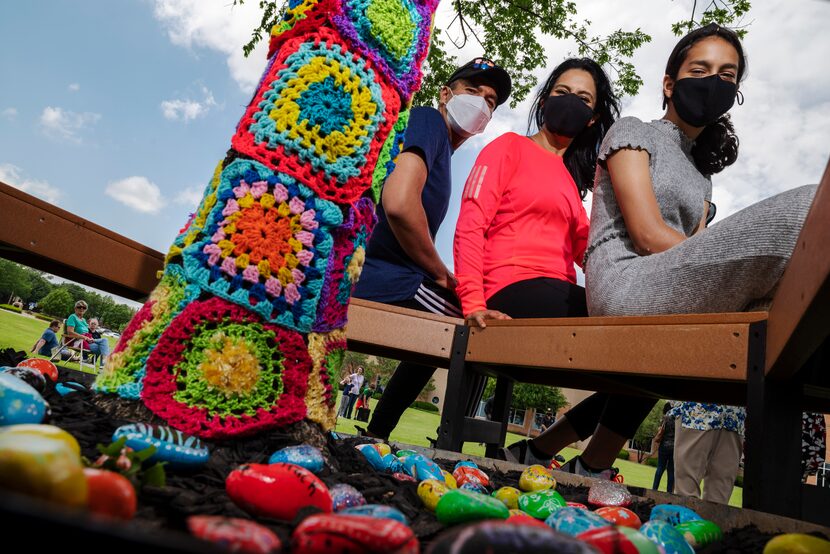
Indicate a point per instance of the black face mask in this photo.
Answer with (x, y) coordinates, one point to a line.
(566, 115)
(700, 102)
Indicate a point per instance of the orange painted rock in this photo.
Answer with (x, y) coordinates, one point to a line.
(277, 490)
(345, 534)
(620, 516)
(46, 367)
(110, 494)
(467, 474)
(235, 534)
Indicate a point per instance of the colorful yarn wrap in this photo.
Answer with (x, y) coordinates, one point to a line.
(245, 330)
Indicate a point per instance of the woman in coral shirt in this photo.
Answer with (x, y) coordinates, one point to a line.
(521, 229)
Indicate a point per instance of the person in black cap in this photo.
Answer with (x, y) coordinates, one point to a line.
(402, 265)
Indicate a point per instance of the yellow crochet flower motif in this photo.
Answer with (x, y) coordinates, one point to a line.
(231, 367)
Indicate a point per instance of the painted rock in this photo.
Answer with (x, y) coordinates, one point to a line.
(46, 367)
(536, 478)
(796, 543)
(609, 493)
(303, 455)
(577, 505)
(50, 432)
(404, 477)
(421, 467)
(378, 511)
(372, 456)
(172, 446)
(509, 496)
(430, 492)
(404, 453)
(499, 537)
(518, 517)
(458, 506)
(665, 535)
(41, 467)
(235, 534)
(110, 494)
(672, 514)
(382, 448)
(326, 533)
(345, 496)
(19, 402)
(619, 540)
(573, 521)
(474, 487)
(68, 387)
(468, 474)
(541, 504)
(449, 479)
(391, 464)
(465, 463)
(700, 533)
(31, 376)
(620, 516)
(276, 490)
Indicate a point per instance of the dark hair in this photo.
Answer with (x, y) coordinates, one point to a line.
(581, 156)
(666, 407)
(716, 148)
(54, 323)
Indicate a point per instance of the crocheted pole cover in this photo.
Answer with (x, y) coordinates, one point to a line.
(245, 330)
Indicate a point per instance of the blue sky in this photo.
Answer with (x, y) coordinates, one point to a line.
(119, 111)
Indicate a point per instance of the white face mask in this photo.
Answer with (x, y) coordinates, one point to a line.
(468, 114)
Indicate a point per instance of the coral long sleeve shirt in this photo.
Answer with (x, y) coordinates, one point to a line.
(521, 218)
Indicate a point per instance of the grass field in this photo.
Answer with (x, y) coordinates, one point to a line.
(20, 332)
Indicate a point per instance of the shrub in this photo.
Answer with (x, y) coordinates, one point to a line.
(651, 462)
(45, 317)
(425, 406)
(11, 308)
(623, 454)
(739, 481)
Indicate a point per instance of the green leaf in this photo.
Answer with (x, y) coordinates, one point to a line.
(113, 449)
(154, 476)
(143, 455)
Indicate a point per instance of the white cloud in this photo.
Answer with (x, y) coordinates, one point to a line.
(74, 87)
(187, 109)
(64, 124)
(138, 193)
(12, 175)
(219, 26)
(191, 196)
(9, 113)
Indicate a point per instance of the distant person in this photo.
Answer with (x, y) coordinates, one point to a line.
(357, 380)
(48, 341)
(547, 419)
(78, 328)
(345, 387)
(103, 346)
(663, 446)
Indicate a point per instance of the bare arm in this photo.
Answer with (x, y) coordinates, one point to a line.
(40, 342)
(631, 180)
(70, 332)
(407, 218)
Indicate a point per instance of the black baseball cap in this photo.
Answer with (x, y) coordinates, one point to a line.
(483, 69)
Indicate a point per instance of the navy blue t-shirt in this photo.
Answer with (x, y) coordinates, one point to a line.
(389, 274)
(50, 342)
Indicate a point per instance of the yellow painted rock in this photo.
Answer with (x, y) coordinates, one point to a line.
(382, 448)
(449, 479)
(44, 431)
(42, 467)
(508, 495)
(796, 543)
(536, 478)
(430, 492)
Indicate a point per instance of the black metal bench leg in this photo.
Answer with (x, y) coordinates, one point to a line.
(501, 410)
(450, 434)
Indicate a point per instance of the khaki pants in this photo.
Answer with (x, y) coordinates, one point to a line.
(712, 456)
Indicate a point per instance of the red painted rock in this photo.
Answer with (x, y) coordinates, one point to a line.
(619, 540)
(344, 534)
(620, 516)
(404, 477)
(577, 505)
(467, 474)
(110, 494)
(46, 367)
(609, 493)
(276, 490)
(524, 519)
(234, 534)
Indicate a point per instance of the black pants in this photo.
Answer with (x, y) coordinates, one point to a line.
(546, 297)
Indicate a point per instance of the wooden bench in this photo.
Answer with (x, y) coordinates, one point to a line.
(753, 358)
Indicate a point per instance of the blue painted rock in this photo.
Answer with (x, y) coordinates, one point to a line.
(68, 387)
(796, 543)
(277, 490)
(665, 535)
(700, 533)
(573, 521)
(541, 504)
(345, 496)
(468, 474)
(391, 464)
(172, 446)
(430, 492)
(459, 505)
(382, 448)
(609, 493)
(334, 435)
(372, 456)
(620, 516)
(376, 510)
(672, 514)
(235, 534)
(498, 537)
(465, 463)
(421, 467)
(31, 376)
(327, 533)
(303, 455)
(474, 487)
(20, 402)
(509, 496)
(536, 478)
(619, 540)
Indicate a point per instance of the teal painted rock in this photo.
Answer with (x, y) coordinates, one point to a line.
(179, 450)
(420, 467)
(541, 504)
(672, 514)
(379, 511)
(573, 521)
(465, 463)
(20, 402)
(372, 456)
(459, 506)
(391, 464)
(664, 534)
(796, 543)
(303, 455)
(474, 487)
(700, 533)
(68, 387)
